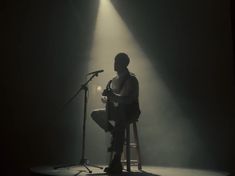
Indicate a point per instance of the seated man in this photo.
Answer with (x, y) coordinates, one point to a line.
(122, 106)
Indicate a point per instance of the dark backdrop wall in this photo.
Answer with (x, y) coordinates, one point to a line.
(233, 24)
(45, 49)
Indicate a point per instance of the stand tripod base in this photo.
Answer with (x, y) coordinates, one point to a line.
(84, 162)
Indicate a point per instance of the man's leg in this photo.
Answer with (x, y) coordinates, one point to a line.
(118, 142)
(100, 117)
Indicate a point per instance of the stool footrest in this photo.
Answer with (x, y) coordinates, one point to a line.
(131, 161)
(133, 145)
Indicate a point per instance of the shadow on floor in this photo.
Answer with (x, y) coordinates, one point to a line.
(139, 173)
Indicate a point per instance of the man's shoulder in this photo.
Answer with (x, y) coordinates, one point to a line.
(115, 78)
(133, 76)
(133, 79)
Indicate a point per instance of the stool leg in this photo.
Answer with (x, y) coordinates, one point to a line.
(128, 149)
(137, 146)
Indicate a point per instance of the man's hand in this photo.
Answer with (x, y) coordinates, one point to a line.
(107, 93)
(104, 99)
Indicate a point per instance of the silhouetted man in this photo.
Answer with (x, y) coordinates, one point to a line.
(122, 106)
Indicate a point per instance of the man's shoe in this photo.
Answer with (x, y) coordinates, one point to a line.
(106, 169)
(114, 168)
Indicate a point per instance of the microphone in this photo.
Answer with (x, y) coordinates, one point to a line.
(95, 72)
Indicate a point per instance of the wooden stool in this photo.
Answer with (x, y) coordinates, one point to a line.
(126, 156)
(132, 145)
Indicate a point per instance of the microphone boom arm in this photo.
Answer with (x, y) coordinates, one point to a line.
(83, 87)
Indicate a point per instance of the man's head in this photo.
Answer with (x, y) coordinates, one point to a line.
(121, 62)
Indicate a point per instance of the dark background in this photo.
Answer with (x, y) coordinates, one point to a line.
(45, 47)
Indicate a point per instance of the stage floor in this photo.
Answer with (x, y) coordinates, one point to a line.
(146, 171)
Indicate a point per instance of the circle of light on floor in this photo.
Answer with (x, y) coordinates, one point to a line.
(146, 171)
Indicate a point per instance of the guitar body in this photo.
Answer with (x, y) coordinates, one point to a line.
(110, 107)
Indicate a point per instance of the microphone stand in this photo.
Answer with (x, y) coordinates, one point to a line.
(83, 162)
